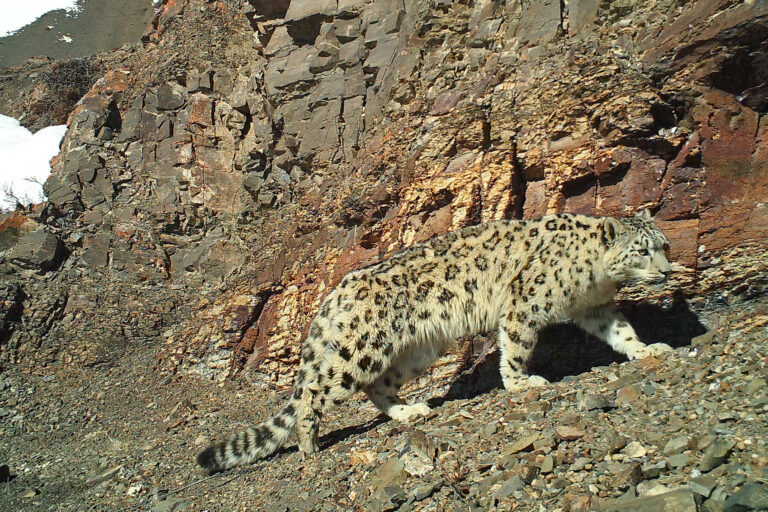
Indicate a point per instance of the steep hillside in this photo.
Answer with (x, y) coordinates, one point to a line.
(223, 175)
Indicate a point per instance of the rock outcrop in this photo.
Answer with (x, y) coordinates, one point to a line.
(219, 182)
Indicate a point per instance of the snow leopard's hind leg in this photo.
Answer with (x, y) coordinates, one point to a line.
(383, 391)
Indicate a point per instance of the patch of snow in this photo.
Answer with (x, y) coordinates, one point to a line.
(65, 38)
(17, 15)
(24, 161)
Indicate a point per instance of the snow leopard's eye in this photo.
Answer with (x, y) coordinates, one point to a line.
(642, 252)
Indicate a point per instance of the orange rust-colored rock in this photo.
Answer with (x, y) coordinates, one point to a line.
(682, 236)
(276, 162)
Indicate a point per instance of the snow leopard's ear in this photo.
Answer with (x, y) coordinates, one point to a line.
(612, 229)
(644, 214)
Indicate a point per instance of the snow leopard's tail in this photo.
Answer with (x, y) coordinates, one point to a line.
(252, 443)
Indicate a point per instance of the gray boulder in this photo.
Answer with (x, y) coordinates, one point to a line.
(38, 250)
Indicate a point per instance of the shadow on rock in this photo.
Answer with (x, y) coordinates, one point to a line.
(565, 350)
(331, 438)
(334, 437)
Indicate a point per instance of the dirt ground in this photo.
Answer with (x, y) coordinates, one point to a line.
(123, 437)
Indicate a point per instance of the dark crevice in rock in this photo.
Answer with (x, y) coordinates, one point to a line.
(615, 177)
(12, 299)
(663, 115)
(735, 73)
(305, 31)
(583, 184)
(269, 9)
(653, 145)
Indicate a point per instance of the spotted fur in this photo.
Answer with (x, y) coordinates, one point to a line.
(384, 324)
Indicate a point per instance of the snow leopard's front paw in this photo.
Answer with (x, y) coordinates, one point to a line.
(651, 350)
(406, 413)
(517, 382)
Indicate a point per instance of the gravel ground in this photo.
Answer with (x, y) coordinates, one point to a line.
(683, 432)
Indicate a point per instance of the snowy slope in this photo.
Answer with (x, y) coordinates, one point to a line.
(24, 161)
(18, 14)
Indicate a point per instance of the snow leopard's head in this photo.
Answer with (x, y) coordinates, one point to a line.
(636, 249)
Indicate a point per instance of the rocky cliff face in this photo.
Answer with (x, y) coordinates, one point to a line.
(216, 183)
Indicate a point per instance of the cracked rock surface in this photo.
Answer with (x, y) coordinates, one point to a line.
(226, 172)
(222, 175)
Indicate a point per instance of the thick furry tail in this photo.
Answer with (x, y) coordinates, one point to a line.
(252, 443)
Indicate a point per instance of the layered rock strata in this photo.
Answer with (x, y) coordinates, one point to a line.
(213, 188)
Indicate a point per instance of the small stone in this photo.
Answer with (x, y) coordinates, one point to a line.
(754, 386)
(392, 472)
(630, 494)
(592, 402)
(531, 396)
(548, 464)
(681, 500)
(416, 465)
(658, 489)
(528, 474)
(103, 476)
(522, 444)
(618, 442)
(703, 339)
(702, 485)
(634, 449)
(716, 454)
(489, 429)
(425, 490)
(486, 483)
(545, 444)
(680, 460)
(631, 476)
(752, 496)
(627, 394)
(719, 495)
(508, 461)
(393, 494)
(654, 470)
(509, 487)
(568, 433)
(540, 406)
(624, 380)
(707, 439)
(170, 504)
(677, 445)
(170, 96)
(580, 463)
(362, 457)
(576, 503)
(422, 444)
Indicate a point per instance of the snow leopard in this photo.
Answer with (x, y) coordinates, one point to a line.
(385, 324)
